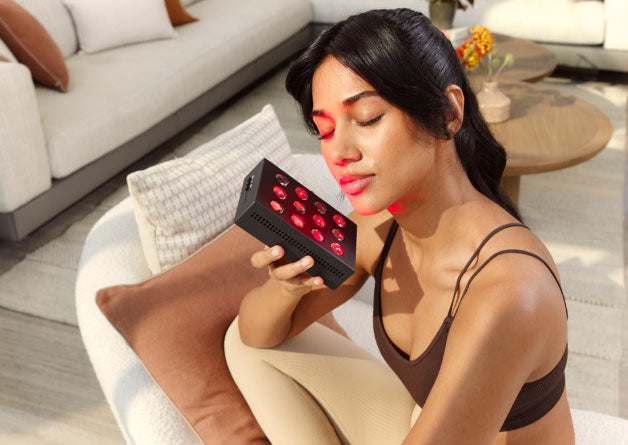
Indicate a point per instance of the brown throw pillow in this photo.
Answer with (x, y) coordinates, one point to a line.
(178, 15)
(176, 322)
(31, 44)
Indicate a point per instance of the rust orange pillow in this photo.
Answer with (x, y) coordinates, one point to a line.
(31, 44)
(176, 322)
(177, 13)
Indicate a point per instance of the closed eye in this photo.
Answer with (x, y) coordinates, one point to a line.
(320, 138)
(371, 122)
(361, 124)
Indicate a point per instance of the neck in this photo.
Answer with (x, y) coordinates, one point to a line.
(436, 221)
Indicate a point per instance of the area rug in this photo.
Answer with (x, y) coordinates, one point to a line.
(577, 212)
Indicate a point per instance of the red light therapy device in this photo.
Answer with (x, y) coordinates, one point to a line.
(276, 209)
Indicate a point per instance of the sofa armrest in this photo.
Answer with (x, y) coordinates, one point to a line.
(24, 167)
(113, 255)
(616, 36)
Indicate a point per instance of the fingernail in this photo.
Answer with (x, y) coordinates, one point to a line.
(274, 252)
(318, 281)
(305, 262)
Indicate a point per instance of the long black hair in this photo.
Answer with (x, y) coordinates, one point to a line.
(409, 62)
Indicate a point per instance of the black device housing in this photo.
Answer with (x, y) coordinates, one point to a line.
(256, 215)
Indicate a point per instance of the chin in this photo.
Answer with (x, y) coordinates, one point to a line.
(362, 208)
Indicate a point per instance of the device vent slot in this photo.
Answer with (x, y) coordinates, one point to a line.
(302, 249)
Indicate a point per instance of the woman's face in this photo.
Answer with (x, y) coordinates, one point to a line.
(362, 134)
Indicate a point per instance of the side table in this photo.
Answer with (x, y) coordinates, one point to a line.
(547, 130)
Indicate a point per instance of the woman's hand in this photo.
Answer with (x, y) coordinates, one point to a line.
(289, 277)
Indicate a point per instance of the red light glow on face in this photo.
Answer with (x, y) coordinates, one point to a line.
(279, 192)
(276, 206)
(338, 234)
(339, 220)
(322, 117)
(297, 221)
(337, 248)
(297, 205)
(319, 220)
(317, 235)
(301, 193)
(320, 207)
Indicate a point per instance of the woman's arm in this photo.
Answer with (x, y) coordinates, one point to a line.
(498, 338)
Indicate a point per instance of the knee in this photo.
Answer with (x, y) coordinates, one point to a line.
(234, 348)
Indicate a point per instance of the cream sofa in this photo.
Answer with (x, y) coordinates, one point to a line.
(122, 103)
(113, 255)
(581, 33)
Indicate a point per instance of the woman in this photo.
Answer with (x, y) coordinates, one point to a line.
(401, 132)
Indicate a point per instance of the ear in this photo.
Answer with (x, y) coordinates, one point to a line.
(454, 119)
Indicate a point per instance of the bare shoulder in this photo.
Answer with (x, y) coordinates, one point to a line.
(517, 296)
(372, 231)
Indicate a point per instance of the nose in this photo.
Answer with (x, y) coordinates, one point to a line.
(343, 150)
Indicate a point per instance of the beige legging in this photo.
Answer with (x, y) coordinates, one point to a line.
(320, 388)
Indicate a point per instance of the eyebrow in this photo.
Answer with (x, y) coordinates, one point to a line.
(349, 101)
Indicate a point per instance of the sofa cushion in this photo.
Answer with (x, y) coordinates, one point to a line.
(176, 323)
(616, 14)
(557, 21)
(55, 18)
(104, 24)
(561, 21)
(183, 203)
(117, 94)
(31, 44)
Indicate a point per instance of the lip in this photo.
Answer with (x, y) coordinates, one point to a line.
(345, 179)
(356, 185)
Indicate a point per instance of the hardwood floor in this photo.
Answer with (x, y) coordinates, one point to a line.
(48, 391)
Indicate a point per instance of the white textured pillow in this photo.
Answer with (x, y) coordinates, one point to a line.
(103, 24)
(182, 204)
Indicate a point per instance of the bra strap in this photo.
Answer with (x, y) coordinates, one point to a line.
(525, 252)
(464, 269)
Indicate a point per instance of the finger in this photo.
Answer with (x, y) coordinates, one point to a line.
(301, 281)
(292, 270)
(263, 258)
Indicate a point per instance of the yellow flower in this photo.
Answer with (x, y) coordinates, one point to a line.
(468, 54)
(483, 39)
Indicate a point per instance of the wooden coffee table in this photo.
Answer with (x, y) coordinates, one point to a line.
(547, 130)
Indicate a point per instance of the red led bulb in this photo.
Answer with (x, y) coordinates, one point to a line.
(320, 207)
(297, 221)
(338, 234)
(279, 192)
(337, 248)
(339, 220)
(319, 220)
(281, 179)
(301, 193)
(300, 207)
(276, 206)
(317, 235)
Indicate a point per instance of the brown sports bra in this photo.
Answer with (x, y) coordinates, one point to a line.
(535, 398)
